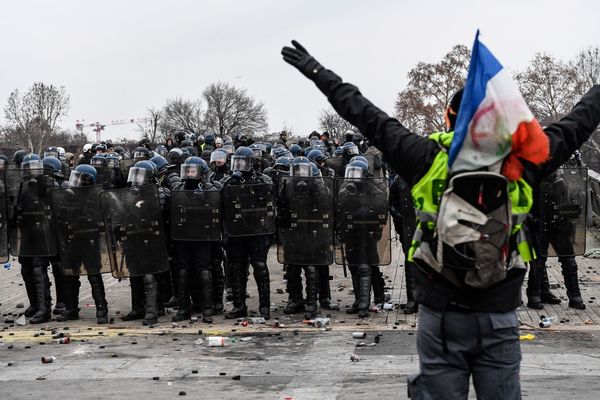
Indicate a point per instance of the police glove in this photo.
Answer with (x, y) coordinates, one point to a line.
(298, 57)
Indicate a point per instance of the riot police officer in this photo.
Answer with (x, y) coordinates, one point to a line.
(88, 255)
(248, 237)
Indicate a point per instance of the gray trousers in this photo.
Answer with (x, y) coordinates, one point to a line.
(484, 345)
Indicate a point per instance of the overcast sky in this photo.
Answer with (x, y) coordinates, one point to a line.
(117, 58)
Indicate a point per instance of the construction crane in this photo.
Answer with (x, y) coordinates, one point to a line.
(99, 126)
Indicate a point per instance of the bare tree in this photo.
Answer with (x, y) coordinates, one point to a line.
(330, 121)
(587, 68)
(421, 106)
(33, 117)
(151, 129)
(182, 115)
(549, 86)
(231, 110)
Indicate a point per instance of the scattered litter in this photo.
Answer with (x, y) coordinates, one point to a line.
(246, 339)
(48, 359)
(182, 393)
(170, 383)
(199, 341)
(20, 305)
(219, 341)
(21, 321)
(334, 306)
(594, 253)
(317, 322)
(156, 378)
(279, 291)
(528, 336)
(588, 322)
(236, 377)
(546, 322)
(359, 335)
(388, 306)
(64, 340)
(354, 358)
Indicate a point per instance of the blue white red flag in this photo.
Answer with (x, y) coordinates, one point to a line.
(493, 120)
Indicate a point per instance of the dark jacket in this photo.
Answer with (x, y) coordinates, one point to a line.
(411, 156)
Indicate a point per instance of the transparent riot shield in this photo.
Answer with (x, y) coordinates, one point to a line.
(31, 233)
(196, 216)
(248, 210)
(305, 221)
(135, 235)
(3, 220)
(80, 229)
(563, 198)
(363, 232)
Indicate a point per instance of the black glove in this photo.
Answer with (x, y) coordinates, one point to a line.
(299, 58)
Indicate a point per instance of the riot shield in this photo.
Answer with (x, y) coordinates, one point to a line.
(3, 220)
(106, 177)
(363, 231)
(563, 197)
(305, 221)
(248, 210)
(196, 216)
(30, 213)
(135, 236)
(80, 230)
(337, 164)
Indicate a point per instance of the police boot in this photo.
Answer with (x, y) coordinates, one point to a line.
(263, 282)
(42, 294)
(59, 287)
(364, 290)
(411, 307)
(183, 295)
(534, 283)
(324, 290)
(295, 303)
(165, 291)
(239, 279)
(546, 295)
(206, 286)
(173, 270)
(312, 284)
(195, 291)
(218, 280)
(353, 309)
(71, 312)
(228, 280)
(137, 299)
(151, 298)
(26, 273)
(569, 271)
(97, 286)
(378, 285)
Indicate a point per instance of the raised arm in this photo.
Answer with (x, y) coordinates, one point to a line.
(409, 154)
(568, 134)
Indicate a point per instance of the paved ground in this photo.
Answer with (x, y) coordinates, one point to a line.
(125, 360)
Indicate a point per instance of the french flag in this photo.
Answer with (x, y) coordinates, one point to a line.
(494, 123)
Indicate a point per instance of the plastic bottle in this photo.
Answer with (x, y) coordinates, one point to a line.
(219, 341)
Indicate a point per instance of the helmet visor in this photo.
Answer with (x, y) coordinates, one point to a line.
(97, 162)
(257, 152)
(355, 172)
(138, 176)
(35, 167)
(240, 164)
(301, 170)
(80, 179)
(190, 171)
(229, 148)
(51, 153)
(218, 157)
(140, 155)
(352, 150)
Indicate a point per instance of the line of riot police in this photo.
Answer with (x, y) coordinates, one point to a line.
(184, 224)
